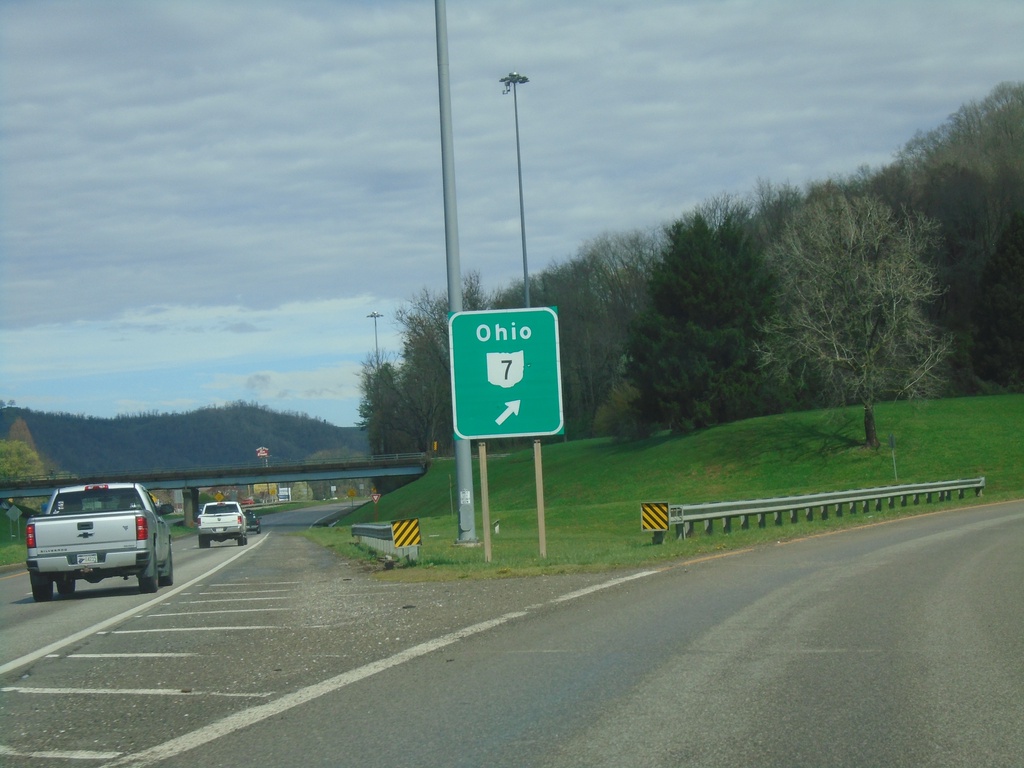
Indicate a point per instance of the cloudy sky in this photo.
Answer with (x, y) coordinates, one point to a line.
(201, 201)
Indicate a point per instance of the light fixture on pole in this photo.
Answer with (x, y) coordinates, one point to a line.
(511, 81)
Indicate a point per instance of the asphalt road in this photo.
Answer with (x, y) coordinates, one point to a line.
(892, 645)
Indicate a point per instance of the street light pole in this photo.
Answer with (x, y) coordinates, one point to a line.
(463, 455)
(376, 371)
(376, 348)
(511, 81)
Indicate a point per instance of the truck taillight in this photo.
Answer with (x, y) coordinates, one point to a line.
(141, 528)
(30, 535)
(240, 520)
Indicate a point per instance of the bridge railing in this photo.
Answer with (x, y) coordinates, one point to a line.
(258, 470)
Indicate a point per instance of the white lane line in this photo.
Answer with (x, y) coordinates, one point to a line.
(78, 754)
(599, 587)
(252, 584)
(206, 613)
(130, 692)
(96, 628)
(184, 629)
(235, 600)
(253, 715)
(127, 655)
(245, 592)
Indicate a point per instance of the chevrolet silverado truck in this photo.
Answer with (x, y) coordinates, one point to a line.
(96, 532)
(222, 521)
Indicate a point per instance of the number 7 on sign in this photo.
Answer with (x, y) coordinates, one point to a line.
(505, 369)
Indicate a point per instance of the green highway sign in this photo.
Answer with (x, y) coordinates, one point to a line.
(506, 373)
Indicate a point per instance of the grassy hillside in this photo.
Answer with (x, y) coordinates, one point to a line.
(593, 488)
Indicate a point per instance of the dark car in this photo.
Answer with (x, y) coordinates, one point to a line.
(252, 522)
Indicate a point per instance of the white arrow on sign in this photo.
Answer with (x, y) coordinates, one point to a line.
(511, 408)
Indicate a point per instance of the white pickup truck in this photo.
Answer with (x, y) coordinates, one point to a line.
(95, 532)
(221, 521)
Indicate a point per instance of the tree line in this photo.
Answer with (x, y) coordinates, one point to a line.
(37, 443)
(897, 282)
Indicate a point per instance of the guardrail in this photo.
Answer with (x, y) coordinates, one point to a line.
(658, 516)
(400, 538)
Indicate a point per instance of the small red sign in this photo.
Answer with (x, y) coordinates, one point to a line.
(375, 497)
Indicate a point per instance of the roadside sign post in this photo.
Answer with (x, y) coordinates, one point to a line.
(485, 500)
(507, 382)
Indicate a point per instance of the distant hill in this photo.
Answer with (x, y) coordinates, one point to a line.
(205, 437)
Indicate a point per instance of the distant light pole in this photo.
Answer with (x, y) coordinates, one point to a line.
(511, 81)
(376, 371)
(376, 349)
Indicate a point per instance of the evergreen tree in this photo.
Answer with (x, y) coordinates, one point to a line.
(999, 313)
(691, 353)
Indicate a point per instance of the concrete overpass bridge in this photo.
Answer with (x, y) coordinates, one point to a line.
(192, 479)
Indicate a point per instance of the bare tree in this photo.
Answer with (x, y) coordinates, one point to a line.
(854, 284)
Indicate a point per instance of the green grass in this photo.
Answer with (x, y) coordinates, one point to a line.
(593, 488)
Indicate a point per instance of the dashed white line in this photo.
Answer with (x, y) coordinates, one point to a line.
(130, 692)
(207, 613)
(185, 629)
(127, 655)
(77, 754)
(234, 600)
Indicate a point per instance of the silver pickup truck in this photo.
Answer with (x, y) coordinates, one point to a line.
(95, 532)
(222, 521)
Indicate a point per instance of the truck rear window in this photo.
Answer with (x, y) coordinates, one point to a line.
(96, 501)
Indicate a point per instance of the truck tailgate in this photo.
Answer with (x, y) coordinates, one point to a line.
(70, 534)
(212, 521)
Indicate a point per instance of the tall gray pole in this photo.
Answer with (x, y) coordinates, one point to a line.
(376, 347)
(463, 455)
(511, 81)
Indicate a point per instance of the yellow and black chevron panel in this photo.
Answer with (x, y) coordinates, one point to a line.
(406, 533)
(654, 515)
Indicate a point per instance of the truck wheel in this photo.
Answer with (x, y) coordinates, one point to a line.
(66, 586)
(242, 541)
(148, 580)
(204, 543)
(166, 579)
(42, 587)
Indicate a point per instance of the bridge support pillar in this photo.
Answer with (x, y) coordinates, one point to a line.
(190, 501)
